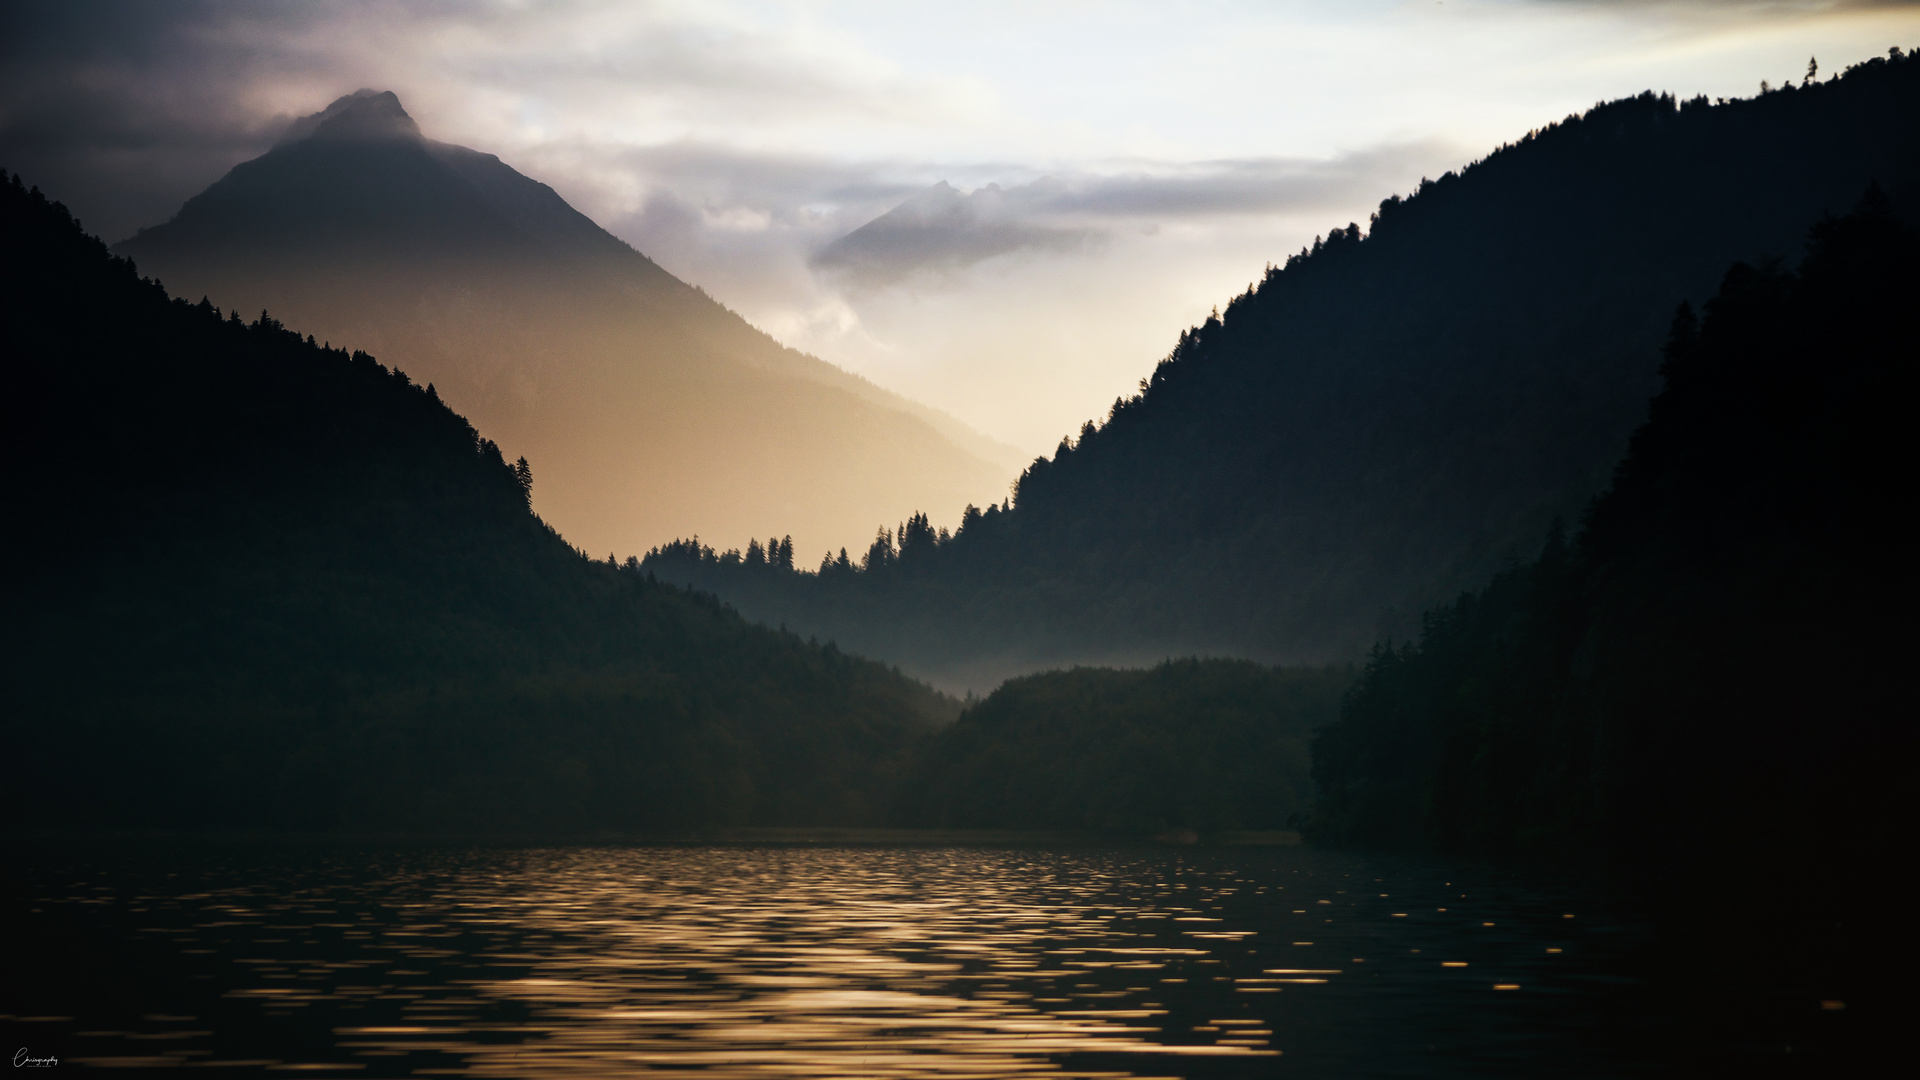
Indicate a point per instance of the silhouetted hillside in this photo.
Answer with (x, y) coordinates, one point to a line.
(1378, 422)
(257, 582)
(1708, 682)
(1207, 745)
(649, 409)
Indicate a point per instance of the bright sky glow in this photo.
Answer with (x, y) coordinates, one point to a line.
(732, 141)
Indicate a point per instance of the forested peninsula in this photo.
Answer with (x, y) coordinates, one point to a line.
(1196, 746)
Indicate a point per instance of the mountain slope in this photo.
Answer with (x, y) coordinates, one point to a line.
(1704, 680)
(647, 409)
(1376, 424)
(257, 582)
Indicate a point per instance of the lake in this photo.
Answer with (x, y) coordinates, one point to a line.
(794, 961)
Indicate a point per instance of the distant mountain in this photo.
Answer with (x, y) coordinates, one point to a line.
(646, 408)
(254, 582)
(940, 229)
(1383, 419)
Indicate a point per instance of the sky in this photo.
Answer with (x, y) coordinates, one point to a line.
(1114, 170)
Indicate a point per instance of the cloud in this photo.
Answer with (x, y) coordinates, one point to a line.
(123, 109)
(1252, 186)
(940, 230)
(126, 108)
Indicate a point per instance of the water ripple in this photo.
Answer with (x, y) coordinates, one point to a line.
(728, 962)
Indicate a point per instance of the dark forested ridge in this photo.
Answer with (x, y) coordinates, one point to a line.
(1709, 679)
(1201, 745)
(258, 582)
(1378, 422)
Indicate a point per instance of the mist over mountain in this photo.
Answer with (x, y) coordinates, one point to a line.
(646, 408)
(1379, 422)
(941, 229)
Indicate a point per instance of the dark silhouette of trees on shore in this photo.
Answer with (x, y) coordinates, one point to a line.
(1704, 682)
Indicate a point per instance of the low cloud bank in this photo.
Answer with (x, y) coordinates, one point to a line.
(941, 230)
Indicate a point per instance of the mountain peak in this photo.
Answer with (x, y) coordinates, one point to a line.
(362, 116)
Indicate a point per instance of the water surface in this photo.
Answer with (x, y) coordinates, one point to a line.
(722, 962)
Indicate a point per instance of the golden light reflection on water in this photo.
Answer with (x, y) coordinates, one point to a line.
(731, 962)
